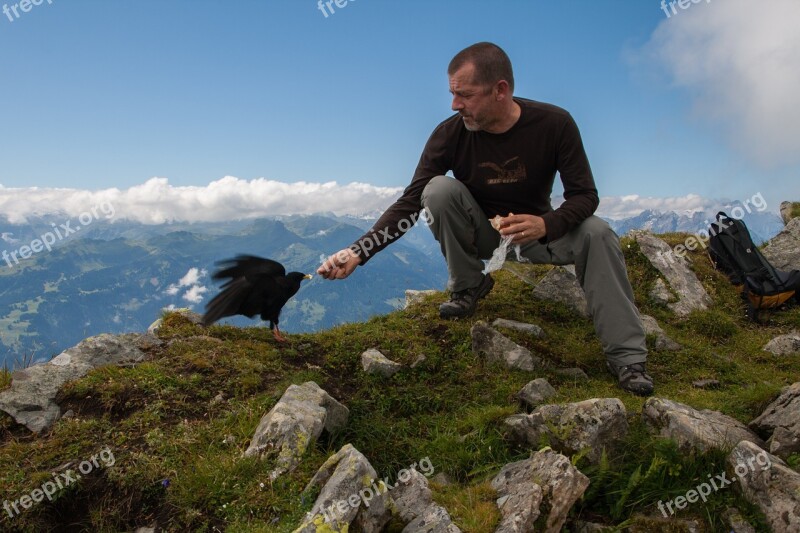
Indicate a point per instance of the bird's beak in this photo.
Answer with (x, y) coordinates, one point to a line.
(308, 276)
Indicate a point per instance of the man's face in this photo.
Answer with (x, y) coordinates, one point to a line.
(475, 103)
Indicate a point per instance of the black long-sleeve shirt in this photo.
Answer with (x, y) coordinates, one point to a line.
(510, 172)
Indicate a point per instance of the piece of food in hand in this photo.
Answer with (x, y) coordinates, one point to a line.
(495, 222)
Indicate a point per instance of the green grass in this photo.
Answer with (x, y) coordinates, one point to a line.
(178, 450)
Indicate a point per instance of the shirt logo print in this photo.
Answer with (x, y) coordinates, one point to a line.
(512, 171)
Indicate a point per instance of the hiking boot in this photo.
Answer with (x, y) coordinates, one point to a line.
(463, 303)
(632, 378)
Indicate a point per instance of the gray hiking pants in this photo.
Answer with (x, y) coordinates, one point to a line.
(467, 237)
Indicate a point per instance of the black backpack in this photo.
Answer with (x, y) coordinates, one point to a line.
(733, 252)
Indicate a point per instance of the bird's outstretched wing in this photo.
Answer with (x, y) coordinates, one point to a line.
(248, 266)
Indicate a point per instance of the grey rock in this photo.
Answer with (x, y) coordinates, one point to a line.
(572, 373)
(294, 424)
(412, 496)
(155, 326)
(547, 482)
(663, 342)
(561, 285)
(413, 296)
(691, 294)
(530, 329)
(784, 344)
(736, 521)
(536, 392)
(767, 482)
(692, 429)
(416, 508)
(419, 360)
(496, 347)
(588, 426)
(374, 362)
(660, 293)
(786, 212)
(706, 384)
(781, 420)
(783, 250)
(31, 398)
(351, 497)
(435, 519)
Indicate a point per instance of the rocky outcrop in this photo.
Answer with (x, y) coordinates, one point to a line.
(547, 482)
(783, 250)
(190, 315)
(374, 362)
(294, 424)
(692, 429)
(561, 285)
(350, 498)
(691, 294)
(536, 392)
(31, 398)
(531, 329)
(416, 508)
(496, 347)
(768, 483)
(589, 426)
(786, 211)
(414, 297)
(663, 342)
(784, 344)
(781, 422)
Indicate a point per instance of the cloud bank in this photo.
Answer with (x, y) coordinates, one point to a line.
(157, 202)
(740, 62)
(230, 198)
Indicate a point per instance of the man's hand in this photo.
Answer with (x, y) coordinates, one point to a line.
(524, 228)
(339, 265)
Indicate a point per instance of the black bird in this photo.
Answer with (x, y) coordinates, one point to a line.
(255, 286)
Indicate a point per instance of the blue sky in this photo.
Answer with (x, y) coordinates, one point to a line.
(100, 95)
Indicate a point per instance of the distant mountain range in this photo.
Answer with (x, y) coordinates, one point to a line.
(763, 225)
(118, 277)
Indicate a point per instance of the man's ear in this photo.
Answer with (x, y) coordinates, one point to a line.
(501, 90)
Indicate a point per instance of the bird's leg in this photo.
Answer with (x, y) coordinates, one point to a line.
(277, 334)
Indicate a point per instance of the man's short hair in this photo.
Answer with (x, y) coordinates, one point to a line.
(491, 64)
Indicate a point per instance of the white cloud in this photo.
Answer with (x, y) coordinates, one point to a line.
(192, 277)
(191, 281)
(740, 62)
(229, 198)
(195, 294)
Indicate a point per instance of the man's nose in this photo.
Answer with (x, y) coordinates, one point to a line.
(458, 104)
